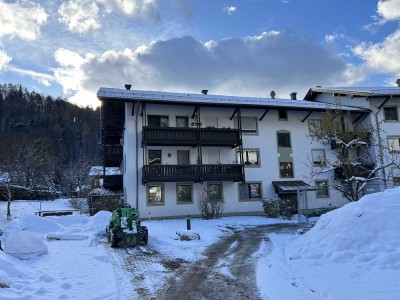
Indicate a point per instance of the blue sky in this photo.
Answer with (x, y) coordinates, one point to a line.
(238, 47)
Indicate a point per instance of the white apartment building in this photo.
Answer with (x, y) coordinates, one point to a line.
(384, 104)
(171, 147)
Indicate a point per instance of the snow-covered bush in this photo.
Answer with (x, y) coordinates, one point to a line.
(78, 203)
(279, 208)
(209, 208)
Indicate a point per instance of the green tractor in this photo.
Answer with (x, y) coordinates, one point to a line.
(124, 228)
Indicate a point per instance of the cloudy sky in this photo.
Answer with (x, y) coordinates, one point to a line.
(234, 47)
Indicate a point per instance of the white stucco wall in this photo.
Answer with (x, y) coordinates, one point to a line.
(265, 141)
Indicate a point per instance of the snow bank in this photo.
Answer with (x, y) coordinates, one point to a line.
(364, 232)
(24, 244)
(33, 223)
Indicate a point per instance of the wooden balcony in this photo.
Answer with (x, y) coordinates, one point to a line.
(112, 155)
(177, 136)
(192, 173)
(113, 182)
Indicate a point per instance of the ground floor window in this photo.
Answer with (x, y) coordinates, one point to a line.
(155, 194)
(184, 193)
(322, 188)
(286, 169)
(250, 190)
(214, 191)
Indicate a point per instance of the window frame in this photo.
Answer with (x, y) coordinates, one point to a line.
(285, 113)
(317, 188)
(159, 121)
(181, 117)
(388, 143)
(177, 155)
(395, 110)
(222, 190)
(148, 186)
(323, 163)
(177, 193)
(292, 169)
(248, 183)
(290, 139)
(245, 131)
(258, 165)
(148, 156)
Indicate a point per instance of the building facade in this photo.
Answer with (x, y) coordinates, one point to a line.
(172, 148)
(384, 104)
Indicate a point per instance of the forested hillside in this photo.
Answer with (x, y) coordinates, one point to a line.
(44, 137)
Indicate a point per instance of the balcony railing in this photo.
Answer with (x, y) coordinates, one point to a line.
(112, 155)
(113, 182)
(175, 136)
(194, 173)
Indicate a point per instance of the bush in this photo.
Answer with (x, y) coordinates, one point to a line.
(317, 212)
(78, 203)
(280, 208)
(209, 208)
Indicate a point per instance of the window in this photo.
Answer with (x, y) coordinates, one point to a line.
(286, 169)
(282, 114)
(249, 125)
(394, 144)
(314, 125)
(250, 157)
(250, 191)
(154, 157)
(318, 157)
(396, 180)
(283, 139)
(158, 121)
(322, 188)
(183, 157)
(214, 191)
(182, 122)
(390, 113)
(155, 194)
(184, 193)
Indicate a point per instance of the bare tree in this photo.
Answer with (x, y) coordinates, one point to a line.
(352, 145)
(77, 177)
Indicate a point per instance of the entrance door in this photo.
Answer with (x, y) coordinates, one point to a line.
(213, 156)
(183, 157)
(211, 122)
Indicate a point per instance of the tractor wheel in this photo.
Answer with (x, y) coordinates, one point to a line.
(113, 238)
(143, 235)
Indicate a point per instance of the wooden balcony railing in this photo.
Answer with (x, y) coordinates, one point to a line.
(194, 173)
(175, 136)
(112, 155)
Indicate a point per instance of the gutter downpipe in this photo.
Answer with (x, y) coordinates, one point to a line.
(379, 139)
(137, 154)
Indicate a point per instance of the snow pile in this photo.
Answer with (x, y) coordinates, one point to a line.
(33, 223)
(4, 282)
(364, 233)
(187, 235)
(24, 244)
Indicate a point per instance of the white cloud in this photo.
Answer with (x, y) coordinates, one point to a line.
(381, 57)
(21, 19)
(86, 15)
(4, 60)
(79, 15)
(146, 9)
(254, 66)
(42, 78)
(389, 10)
(230, 9)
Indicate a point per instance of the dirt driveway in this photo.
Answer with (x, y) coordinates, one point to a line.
(228, 269)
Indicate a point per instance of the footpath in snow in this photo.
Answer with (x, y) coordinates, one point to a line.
(351, 253)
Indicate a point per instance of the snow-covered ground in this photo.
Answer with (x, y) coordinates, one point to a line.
(351, 253)
(78, 266)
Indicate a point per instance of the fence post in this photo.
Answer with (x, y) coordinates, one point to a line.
(298, 206)
(188, 225)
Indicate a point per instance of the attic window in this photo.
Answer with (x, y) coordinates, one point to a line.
(282, 115)
(390, 113)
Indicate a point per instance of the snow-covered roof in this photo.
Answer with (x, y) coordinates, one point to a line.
(215, 100)
(357, 91)
(98, 171)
